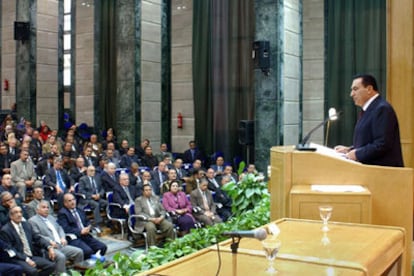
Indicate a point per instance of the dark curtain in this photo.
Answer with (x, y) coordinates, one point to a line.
(223, 33)
(355, 43)
(107, 83)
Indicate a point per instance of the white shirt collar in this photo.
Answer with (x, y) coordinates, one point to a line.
(365, 106)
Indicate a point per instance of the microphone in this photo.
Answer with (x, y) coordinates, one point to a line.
(259, 234)
(332, 116)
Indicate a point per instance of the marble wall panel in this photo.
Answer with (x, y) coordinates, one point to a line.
(181, 55)
(151, 31)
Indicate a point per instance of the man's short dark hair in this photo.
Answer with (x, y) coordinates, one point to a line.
(367, 80)
(146, 185)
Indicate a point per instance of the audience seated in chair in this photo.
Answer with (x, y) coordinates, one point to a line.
(193, 153)
(7, 186)
(223, 200)
(149, 160)
(135, 178)
(27, 245)
(76, 225)
(124, 194)
(109, 179)
(159, 175)
(52, 233)
(128, 158)
(202, 200)
(57, 179)
(38, 195)
(7, 202)
(23, 173)
(179, 207)
(149, 207)
(93, 195)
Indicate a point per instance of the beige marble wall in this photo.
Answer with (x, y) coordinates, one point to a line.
(181, 75)
(292, 69)
(8, 53)
(151, 71)
(84, 68)
(313, 67)
(47, 62)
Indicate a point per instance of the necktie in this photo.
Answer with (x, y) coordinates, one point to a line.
(23, 238)
(78, 219)
(53, 230)
(205, 202)
(151, 210)
(95, 189)
(129, 195)
(215, 183)
(60, 180)
(192, 154)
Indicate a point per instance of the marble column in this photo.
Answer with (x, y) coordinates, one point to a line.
(268, 87)
(25, 62)
(128, 88)
(278, 94)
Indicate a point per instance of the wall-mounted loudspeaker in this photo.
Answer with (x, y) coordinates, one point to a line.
(21, 30)
(246, 132)
(261, 55)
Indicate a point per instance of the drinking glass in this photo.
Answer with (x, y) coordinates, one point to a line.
(271, 248)
(325, 211)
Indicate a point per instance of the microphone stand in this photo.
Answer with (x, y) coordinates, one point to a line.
(234, 246)
(303, 146)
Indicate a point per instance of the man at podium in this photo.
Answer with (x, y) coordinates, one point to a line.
(376, 135)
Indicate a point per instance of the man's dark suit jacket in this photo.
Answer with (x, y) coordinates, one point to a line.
(157, 181)
(108, 183)
(377, 136)
(8, 233)
(86, 188)
(75, 174)
(188, 158)
(120, 197)
(68, 222)
(50, 180)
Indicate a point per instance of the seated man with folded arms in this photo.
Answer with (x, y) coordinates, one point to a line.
(51, 232)
(150, 208)
(202, 200)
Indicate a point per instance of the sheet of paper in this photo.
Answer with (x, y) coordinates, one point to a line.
(338, 188)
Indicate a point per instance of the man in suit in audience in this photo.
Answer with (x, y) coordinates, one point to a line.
(219, 166)
(178, 164)
(7, 186)
(213, 182)
(51, 232)
(78, 170)
(108, 177)
(74, 222)
(38, 196)
(27, 245)
(159, 175)
(193, 153)
(223, 200)
(7, 202)
(58, 180)
(23, 173)
(124, 194)
(5, 159)
(88, 158)
(149, 206)
(135, 178)
(202, 198)
(6, 267)
(90, 186)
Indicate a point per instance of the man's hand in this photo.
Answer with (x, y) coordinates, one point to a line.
(352, 155)
(85, 231)
(342, 149)
(51, 253)
(58, 189)
(30, 262)
(63, 241)
(54, 244)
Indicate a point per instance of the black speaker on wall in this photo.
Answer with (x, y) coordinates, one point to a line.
(246, 132)
(261, 55)
(21, 30)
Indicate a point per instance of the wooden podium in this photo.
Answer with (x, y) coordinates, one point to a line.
(391, 188)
